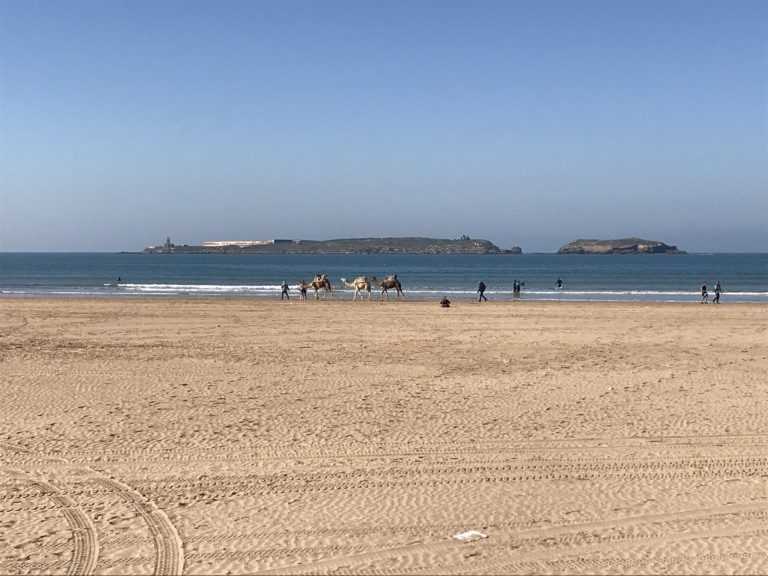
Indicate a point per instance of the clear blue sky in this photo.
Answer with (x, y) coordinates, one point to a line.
(528, 123)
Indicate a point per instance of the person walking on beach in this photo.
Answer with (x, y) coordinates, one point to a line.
(284, 291)
(481, 291)
(704, 294)
(718, 289)
(302, 290)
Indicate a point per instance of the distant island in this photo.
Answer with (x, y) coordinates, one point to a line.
(407, 245)
(620, 246)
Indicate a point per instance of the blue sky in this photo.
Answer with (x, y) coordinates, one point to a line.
(524, 123)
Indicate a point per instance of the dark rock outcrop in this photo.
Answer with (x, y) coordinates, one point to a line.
(407, 245)
(620, 246)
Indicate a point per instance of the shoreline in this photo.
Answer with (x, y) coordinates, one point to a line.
(456, 301)
(460, 303)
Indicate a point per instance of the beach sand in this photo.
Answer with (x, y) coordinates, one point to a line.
(161, 436)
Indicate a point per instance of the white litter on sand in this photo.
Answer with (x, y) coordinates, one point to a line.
(469, 536)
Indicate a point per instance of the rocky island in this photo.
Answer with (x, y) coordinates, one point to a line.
(396, 245)
(620, 246)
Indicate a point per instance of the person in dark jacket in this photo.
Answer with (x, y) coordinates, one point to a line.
(481, 291)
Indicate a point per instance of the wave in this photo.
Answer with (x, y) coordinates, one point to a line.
(207, 288)
(163, 289)
(272, 288)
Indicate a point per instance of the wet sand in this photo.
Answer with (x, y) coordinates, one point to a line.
(161, 436)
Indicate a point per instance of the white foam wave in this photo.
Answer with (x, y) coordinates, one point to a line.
(271, 288)
(162, 289)
(202, 288)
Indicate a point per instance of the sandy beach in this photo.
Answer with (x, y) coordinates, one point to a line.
(215, 436)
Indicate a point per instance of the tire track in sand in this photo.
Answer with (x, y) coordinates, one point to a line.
(169, 551)
(169, 554)
(525, 561)
(85, 542)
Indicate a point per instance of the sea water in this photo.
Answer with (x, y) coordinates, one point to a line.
(744, 277)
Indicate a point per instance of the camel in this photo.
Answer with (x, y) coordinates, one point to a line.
(321, 282)
(388, 283)
(360, 284)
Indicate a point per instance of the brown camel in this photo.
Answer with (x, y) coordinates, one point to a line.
(360, 284)
(388, 283)
(321, 282)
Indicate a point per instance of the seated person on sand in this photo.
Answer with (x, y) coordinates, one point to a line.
(445, 303)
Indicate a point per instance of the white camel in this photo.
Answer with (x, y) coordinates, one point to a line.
(360, 284)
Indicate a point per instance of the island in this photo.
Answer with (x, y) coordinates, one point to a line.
(620, 246)
(393, 245)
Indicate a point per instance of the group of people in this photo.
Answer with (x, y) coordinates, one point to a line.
(705, 293)
(517, 288)
(320, 279)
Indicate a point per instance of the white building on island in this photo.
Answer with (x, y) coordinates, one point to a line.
(242, 243)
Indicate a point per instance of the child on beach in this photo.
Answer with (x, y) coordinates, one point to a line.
(704, 294)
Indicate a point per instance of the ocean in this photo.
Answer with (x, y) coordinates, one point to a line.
(678, 278)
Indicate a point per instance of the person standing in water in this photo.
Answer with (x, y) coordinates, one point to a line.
(704, 294)
(559, 284)
(284, 291)
(718, 289)
(481, 291)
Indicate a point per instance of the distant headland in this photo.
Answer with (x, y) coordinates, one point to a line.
(404, 245)
(620, 246)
